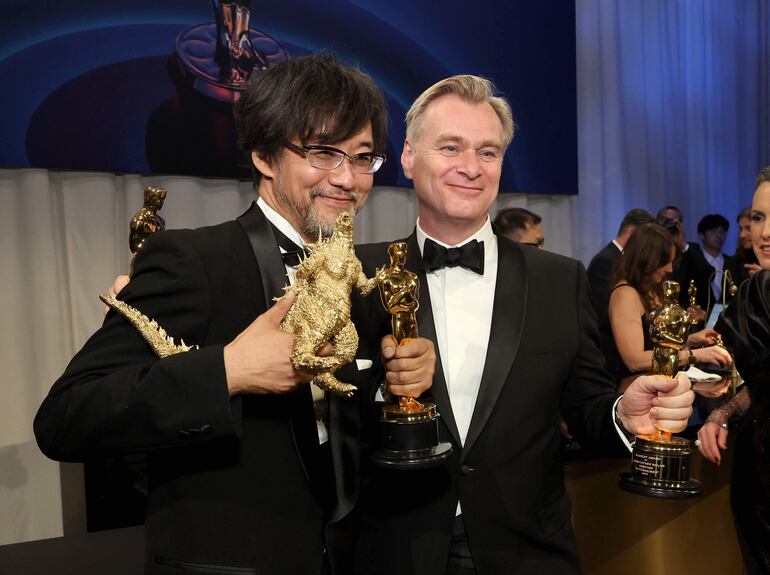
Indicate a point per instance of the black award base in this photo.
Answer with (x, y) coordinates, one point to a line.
(661, 469)
(409, 439)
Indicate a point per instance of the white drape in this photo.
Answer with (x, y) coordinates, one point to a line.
(64, 239)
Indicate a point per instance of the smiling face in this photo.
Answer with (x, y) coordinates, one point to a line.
(455, 165)
(760, 225)
(310, 198)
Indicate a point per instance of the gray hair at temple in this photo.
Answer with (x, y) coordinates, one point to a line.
(762, 177)
(470, 89)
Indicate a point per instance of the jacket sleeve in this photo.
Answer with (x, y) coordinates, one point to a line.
(116, 395)
(590, 393)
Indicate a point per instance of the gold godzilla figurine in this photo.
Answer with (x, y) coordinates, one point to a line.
(323, 282)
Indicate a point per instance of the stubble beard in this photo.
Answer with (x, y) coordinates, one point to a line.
(310, 221)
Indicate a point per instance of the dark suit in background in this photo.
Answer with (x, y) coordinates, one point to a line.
(692, 265)
(236, 485)
(542, 363)
(599, 278)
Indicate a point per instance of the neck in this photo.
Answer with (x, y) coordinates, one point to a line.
(450, 232)
(711, 251)
(267, 193)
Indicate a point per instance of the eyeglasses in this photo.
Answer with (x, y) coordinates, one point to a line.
(329, 158)
(538, 244)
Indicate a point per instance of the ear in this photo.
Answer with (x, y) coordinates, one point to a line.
(406, 159)
(262, 165)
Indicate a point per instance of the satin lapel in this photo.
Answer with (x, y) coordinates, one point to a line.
(265, 246)
(427, 329)
(273, 275)
(504, 335)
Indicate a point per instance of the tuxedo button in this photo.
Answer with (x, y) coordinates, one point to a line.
(466, 469)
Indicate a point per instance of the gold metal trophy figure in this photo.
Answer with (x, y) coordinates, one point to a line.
(409, 427)
(692, 293)
(147, 221)
(660, 462)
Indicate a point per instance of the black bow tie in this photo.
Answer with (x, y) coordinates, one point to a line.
(294, 257)
(469, 256)
(292, 254)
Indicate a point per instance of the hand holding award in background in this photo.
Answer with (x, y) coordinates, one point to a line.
(660, 464)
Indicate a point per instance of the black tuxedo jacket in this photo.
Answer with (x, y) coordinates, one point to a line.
(599, 278)
(235, 485)
(542, 363)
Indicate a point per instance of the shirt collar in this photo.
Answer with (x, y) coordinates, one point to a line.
(714, 261)
(484, 234)
(617, 245)
(280, 222)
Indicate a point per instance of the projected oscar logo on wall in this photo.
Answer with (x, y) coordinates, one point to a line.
(148, 86)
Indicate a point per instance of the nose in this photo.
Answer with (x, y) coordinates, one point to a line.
(469, 164)
(343, 176)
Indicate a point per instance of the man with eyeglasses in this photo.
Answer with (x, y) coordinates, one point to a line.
(517, 344)
(246, 472)
(520, 225)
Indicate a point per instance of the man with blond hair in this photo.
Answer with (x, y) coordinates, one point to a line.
(517, 352)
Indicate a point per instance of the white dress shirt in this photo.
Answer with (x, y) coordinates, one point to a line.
(286, 229)
(462, 303)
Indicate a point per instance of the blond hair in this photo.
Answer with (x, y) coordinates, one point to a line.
(471, 89)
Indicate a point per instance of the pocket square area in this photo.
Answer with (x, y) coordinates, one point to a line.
(362, 364)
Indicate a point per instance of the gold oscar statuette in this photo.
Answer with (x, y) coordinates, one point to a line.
(147, 221)
(409, 428)
(692, 293)
(660, 463)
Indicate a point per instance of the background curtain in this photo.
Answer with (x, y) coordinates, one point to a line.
(672, 109)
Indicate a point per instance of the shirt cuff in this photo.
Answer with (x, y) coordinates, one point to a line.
(625, 436)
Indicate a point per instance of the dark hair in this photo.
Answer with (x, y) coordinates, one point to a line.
(646, 251)
(666, 208)
(635, 218)
(311, 98)
(744, 213)
(711, 222)
(515, 220)
(762, 176)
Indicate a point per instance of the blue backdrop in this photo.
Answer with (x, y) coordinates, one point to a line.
(93, 85)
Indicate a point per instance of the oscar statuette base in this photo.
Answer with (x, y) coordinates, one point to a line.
(661, 469)
(409, 439)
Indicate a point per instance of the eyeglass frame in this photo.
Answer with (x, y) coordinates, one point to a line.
(538, 244)
(305, 151)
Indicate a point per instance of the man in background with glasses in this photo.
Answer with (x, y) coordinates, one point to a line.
(520, 225)
(245, 470)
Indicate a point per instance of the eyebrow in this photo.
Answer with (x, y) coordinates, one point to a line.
(459, 139)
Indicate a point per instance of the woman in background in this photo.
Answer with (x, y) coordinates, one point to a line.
(745, 326)
(745, 263)
(637, 280)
